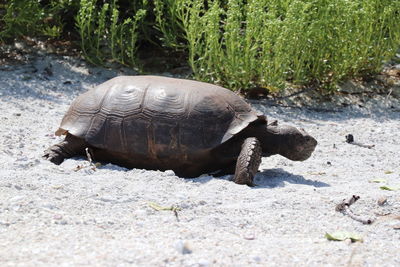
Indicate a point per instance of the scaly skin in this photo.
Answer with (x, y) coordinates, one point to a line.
(248, 161)
(70, 147)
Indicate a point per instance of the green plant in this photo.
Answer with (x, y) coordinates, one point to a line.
(236, 43)
(20, 18)
(31, 18)
(105, 34)
(269, 43)
(169, 17)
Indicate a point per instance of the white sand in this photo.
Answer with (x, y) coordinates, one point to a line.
(53, 215)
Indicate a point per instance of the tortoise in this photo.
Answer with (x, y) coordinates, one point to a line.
(162, 123)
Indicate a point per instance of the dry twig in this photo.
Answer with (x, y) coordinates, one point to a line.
(172, 208)
(90, 159)
(344, 207)
(350, 140)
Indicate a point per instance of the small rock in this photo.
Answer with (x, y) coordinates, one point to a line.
(17, 187)
(19, 45)
(203, 263)
(382, 201)
(202, 202)
(349, 138)
(57, 217)
(6, 224)
(182, 247)
(169, 173)
(185, 206)
(249, 236)
(57, 187)
(257, 258)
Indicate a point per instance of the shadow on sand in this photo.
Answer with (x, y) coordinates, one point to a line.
(270, 178)
(278, 177)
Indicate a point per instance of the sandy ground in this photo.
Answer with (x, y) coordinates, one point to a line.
(57, 215)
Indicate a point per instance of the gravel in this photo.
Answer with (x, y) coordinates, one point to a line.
(69, 215)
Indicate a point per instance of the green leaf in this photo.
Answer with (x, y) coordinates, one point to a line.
(388, 188)
(158, 207)
(377, 181)
(388, 172)
(340, 236)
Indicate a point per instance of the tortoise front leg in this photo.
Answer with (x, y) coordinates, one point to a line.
(71, 146)
(248, 162)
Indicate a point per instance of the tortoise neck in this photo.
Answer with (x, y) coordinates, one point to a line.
(269, 137)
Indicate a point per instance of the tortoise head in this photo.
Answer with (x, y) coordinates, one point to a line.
(292, 143)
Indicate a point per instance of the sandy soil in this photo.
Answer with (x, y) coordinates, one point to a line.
(57, 215)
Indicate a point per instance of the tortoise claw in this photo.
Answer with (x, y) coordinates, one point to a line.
(53, 156)
(71, 146)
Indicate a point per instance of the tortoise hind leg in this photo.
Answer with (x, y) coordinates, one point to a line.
(248, 161)
(71, 146)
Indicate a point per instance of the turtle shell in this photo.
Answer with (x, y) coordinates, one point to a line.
(157, 116)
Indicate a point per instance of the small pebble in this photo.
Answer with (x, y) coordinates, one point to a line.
(249, 236)
(57, 217)
(6, 224)
(202, 202)
(19, 45)
(203, 263)
(182, 247)
(17, 187)
(257, 258)
(349, 138)
(185, 205)
(169, 173)
(382, 201)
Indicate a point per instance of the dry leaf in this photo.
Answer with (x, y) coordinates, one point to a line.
(377, 181)
(385, 187)
(341, 236)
